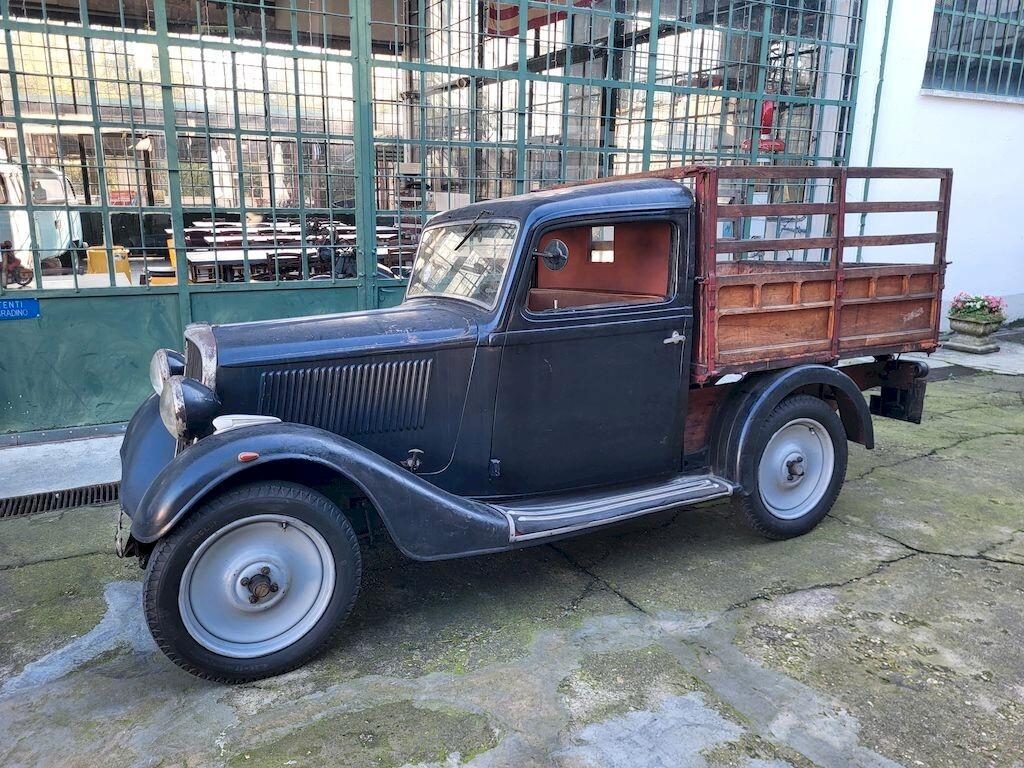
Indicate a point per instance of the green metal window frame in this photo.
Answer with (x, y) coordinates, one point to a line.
(977, 46)
(612, 72)
(567, 90)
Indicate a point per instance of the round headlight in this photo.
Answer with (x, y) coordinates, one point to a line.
(165, 363)
(187, 408)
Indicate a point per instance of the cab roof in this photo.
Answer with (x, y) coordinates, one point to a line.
(603, 197)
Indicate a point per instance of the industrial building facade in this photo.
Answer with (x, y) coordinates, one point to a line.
(163, 163)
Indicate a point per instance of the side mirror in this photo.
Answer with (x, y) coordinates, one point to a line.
(555, 255)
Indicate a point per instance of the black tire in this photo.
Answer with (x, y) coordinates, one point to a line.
(172, 554)
(757, 512)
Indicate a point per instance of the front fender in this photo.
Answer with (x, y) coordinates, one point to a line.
(147, 448)
(425, 522)
(757, 396)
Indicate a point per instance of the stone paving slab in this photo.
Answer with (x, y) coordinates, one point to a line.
(1008, 360)
(888, 636)
(58, 466)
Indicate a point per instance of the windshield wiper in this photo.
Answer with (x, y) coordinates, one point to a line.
(471, 230)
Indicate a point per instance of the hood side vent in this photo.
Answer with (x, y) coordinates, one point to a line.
(360, 399)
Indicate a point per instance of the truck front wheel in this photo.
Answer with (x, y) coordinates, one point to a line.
(253, 583)
(799, 454)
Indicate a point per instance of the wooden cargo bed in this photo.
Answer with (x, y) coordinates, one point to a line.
(768, 313)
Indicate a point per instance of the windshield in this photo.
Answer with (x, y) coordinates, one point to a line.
(467, 260)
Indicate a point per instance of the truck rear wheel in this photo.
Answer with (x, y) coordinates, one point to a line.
(253, 583)
(799, 455)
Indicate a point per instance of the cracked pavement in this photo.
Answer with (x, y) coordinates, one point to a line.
(888, 636)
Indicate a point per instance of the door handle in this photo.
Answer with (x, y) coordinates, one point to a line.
(675, 338)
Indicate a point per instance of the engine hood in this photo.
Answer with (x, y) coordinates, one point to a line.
(330, 337)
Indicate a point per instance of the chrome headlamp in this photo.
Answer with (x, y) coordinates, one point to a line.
(165, 363)
(187, 408)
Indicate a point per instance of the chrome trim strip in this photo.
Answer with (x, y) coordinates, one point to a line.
(678, 492)
(511, 524)
(201, 334)
(231, 421)
(635, 513)
(577, 508)
(159, 370)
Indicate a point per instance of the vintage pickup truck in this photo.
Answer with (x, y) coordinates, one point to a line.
(562, 361)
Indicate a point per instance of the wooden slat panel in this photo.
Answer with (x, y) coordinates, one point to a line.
(760, 269)
(802, 329)
(910, 340)
(815, 290)
(777, 172)
(881, 299)
(878, 318)
(881, 346)
(785, 244)
(776, 355)
(776, 209)
(916, 206)
(869, 240)
(781, 271)
(775, 308)
(920, 284)
(859, 270)
(897, 173)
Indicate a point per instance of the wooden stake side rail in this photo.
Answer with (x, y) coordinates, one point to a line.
(764, 314)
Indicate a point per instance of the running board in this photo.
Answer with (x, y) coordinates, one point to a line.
(556, 516)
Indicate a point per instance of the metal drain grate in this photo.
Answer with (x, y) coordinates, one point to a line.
(89, 495)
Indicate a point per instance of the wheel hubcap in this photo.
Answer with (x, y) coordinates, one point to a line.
(796, 468)
(256, 586)
(260, 585)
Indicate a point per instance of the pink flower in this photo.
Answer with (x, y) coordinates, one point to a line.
(966, 304)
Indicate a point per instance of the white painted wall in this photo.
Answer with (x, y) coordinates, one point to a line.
(981, 140)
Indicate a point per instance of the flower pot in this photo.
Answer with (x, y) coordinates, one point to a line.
(972, 335)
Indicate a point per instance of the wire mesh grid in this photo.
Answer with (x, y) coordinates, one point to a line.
(196, 145)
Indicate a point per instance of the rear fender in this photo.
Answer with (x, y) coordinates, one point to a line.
(757, 396)
(425, 522)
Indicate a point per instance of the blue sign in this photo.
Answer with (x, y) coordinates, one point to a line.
(19, 309)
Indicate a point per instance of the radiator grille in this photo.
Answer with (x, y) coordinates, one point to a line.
(350, 399)
(193, 361)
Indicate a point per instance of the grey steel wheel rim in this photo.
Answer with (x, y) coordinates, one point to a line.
(256, 586)
(796, 468)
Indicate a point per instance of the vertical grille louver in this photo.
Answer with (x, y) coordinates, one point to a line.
(350, 399)
(193, 361)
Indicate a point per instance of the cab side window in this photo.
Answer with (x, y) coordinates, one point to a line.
(615, 264)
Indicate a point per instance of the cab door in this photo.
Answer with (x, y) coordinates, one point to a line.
(595, 358)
